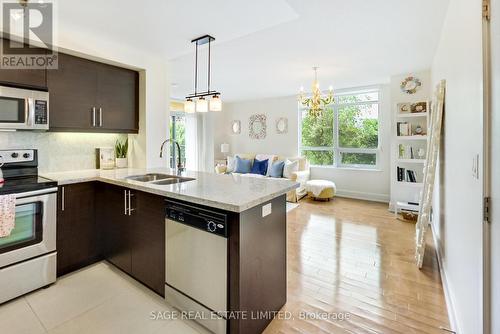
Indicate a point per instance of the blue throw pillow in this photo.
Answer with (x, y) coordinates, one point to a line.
(260, 167)
(277, 169)
(242, 166)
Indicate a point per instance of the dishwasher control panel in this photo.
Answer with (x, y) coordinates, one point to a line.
(202, 219)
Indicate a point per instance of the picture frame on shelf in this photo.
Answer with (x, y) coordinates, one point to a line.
(418, 107)
(404, 108)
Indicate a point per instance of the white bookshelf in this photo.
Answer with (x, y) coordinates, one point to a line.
(410, 184)
(413, 137)
(411, 161)
(405, 152)
(411, 115)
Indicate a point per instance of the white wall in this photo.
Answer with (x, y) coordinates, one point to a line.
(285, 144)
(458, 196)
(153, 111)
(364, 184)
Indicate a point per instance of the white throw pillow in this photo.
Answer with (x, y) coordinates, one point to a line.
(290, 167)
(230, 164)
(269, 157)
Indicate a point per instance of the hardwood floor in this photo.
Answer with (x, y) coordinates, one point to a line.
(353, 259)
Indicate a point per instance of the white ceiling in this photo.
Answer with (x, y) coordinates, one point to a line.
(168, 26)
(266, 48)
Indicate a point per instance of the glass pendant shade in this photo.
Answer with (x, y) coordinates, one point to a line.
(202, 105)
(189, 106)
(215, 103)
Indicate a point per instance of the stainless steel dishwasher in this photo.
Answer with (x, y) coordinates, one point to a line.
(196, 268)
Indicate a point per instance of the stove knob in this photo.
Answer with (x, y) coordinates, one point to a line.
(211, 226)
(14, 155)
(26, 155)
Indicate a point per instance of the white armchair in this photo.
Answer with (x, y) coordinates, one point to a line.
(301, 176)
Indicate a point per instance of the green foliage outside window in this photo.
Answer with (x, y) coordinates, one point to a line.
(318, 132)
(357, 129)
(178, 133)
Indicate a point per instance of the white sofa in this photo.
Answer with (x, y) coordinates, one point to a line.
(301, 176)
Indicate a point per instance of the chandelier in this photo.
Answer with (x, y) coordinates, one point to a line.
(205, 100)
(317, 102)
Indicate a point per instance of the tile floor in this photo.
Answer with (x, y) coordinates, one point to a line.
(96, 299)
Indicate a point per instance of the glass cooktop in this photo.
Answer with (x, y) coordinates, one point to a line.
(25, 184)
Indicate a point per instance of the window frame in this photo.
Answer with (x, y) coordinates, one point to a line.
(173, 150)
(336, 149)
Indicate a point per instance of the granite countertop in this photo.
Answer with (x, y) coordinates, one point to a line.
(228, 192)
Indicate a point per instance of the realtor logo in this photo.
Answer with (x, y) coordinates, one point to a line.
(28, 35)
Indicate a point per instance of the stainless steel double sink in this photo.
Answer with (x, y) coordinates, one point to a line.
(159, 179)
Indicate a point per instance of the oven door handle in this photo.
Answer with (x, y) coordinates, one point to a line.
(36, 193)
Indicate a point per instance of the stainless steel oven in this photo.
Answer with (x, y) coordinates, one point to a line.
(23, 109)
(35, 228)
(28, 254)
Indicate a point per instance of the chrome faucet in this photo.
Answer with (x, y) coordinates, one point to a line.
(180, 167)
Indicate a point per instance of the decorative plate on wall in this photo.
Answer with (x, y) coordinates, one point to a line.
(410, 85)
(236, 127)
(257, 127)
(282, 125)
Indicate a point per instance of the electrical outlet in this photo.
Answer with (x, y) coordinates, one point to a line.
(266, 210)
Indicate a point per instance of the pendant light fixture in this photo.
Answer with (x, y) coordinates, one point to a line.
(208, 100)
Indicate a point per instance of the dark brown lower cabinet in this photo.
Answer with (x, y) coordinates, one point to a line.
(116, 226)
(77, 232)
(148, 240)
(134, 240)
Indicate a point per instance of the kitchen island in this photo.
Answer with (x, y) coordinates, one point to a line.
(244, 282)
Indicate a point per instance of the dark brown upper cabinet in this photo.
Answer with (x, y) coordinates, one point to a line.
(117, 98)
(88, 96)
(24, 78)
(73, 92)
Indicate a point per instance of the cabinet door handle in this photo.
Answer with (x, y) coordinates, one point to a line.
(93, 117)
(125, 197)
(63, 204)
(130, 204)
(100, 117)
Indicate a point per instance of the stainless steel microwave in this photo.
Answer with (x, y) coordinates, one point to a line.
(23, 109)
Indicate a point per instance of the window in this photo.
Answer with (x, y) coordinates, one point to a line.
(346, 134)
(177, 133)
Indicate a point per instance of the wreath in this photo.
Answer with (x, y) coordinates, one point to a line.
(410, 85)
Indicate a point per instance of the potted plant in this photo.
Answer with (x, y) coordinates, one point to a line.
(121, 150)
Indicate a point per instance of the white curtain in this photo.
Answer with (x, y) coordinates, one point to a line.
(200, 142)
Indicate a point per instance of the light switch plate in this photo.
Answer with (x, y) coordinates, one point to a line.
(475, 167)
(266, 210)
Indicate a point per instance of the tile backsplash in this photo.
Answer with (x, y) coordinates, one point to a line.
(60, 151)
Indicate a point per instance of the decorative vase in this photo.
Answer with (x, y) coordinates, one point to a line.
(121, 162)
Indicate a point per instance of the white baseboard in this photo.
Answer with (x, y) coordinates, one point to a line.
(384, 198)
(447, 293)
